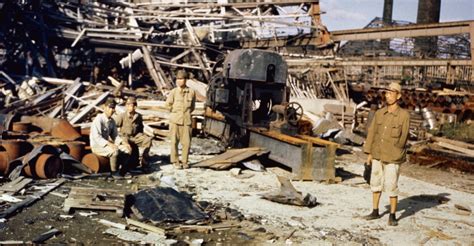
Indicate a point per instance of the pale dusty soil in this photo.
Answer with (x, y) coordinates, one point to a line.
(426, 209)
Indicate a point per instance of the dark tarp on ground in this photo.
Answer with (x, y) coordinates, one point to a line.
(162, 204)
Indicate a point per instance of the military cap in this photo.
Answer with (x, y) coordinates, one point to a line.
(394, 87)
(110, 103)
(182, 74)
(131, 100)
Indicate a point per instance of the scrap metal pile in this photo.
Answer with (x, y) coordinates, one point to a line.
(95, 40)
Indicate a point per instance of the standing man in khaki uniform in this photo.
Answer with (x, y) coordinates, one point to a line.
(181, 102)
(105, 141)
(131, 130)
(385, 146)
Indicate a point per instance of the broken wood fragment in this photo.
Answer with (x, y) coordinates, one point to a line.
(15, 185)
(31, 199)
(89, 107)
(113, 224)
(145, 226)
(94, 198)
(231, 157)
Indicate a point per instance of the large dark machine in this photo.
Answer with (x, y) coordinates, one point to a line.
(250, 106)
(250, 91)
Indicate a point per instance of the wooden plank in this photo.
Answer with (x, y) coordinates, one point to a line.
(151, 69)
(89, 204)
(84, 190)
(230, 157)
(146, 226)
(113, 224)
(46, 95)
(454, 142)
(318, 141)
(91, 198)
(72, 89)
(468, 152)
(334, 87)
(31, 199)
(181, 55)
(201, 63)
(89, 107)
(15, 185)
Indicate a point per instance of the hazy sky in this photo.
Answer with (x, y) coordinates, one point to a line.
(350, 14)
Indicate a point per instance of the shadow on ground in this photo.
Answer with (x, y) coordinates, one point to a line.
(413, 204)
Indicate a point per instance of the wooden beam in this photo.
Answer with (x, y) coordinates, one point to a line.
(88, 108)
(151, 68)
(72, 89)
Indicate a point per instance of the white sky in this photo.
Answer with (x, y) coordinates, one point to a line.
(350, 14)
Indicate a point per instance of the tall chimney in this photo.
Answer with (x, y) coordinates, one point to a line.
(428, 12)
(387, 21)
(387, 11)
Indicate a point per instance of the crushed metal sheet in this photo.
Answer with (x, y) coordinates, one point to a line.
(166, 204)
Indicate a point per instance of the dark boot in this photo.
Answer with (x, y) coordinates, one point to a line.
(372, 216)
(392, 220)
(116, 175)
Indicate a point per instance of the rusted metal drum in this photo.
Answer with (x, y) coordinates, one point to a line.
(96, 163)
(46, 166)
(85, 131)
(16, 148)
(76, 149)
(64, 130)
(4, 162)
(21, 127)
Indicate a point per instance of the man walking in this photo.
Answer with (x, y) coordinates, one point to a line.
(181, 102)
(105, 141)
(385, 146)
(131, 131)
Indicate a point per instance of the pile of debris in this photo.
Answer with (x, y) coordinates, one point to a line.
(34, 137)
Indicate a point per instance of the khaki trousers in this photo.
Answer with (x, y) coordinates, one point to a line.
(113, 155)
(384, 177)
(143, 142)
(180, 134)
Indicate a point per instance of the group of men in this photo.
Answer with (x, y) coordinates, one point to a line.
(385, 143)
(115, 136)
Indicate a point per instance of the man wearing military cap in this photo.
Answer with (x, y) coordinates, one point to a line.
(131, 131)
(106, 142)
(180, 102)
(385, 146)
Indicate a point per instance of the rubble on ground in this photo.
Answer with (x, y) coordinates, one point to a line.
(60, 60)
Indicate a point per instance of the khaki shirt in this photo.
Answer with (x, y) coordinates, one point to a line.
(181, 102)
(129, 126)
(387, 136)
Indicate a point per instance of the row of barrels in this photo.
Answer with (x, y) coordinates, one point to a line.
(461, 105)
(17, 146)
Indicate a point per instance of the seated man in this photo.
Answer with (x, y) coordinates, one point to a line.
(105, 141)
(131, 131)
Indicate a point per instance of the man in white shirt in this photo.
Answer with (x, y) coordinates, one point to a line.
(105, 141)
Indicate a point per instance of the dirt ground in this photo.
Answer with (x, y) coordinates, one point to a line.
(427, 208)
